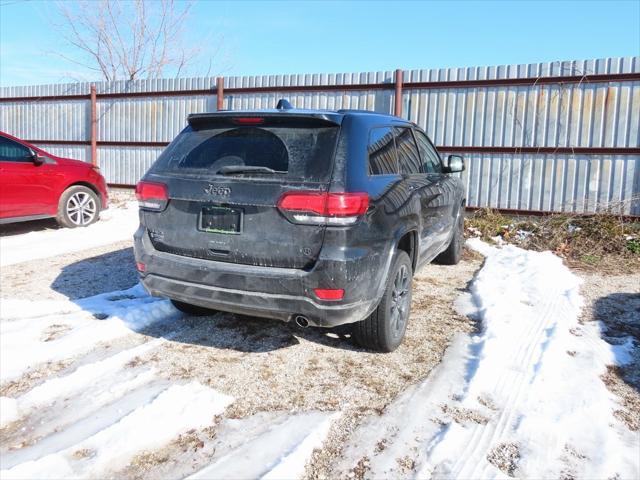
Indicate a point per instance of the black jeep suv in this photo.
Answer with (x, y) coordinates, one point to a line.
(311, 216)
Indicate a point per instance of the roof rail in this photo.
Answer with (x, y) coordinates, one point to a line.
(284, 105)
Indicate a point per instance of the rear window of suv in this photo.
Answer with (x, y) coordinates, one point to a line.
(383, 159)
(299, 153)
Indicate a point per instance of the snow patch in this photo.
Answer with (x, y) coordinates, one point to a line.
(115, 224)
(481, 247)
(528, 384)
(29, 338)
(84, 376)
(176, 409)
(265, 447)
(8, 411)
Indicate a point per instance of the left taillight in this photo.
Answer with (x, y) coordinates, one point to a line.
(152, 195)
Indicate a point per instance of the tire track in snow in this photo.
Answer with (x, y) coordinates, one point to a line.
(21, 342)
(150, 426)
(510, 385)
(548, 402)
(522, 355)
(65, 410)
(548, 316)
(60, 403)
(92, 421)
(72, 429)
(266, 447)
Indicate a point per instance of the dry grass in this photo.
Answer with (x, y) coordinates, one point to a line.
(406, 464)
(54, 332)
(605, 242)
(83, 453)
(33, 377)
(487, 402)
(119, 197)
(361, 469)
(464, 415)
(505, 457)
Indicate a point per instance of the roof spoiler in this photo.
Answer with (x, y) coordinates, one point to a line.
(282, 118)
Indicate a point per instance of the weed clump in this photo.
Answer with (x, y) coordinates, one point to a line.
(602, 241)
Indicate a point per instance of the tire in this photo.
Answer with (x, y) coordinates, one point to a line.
(453, 253)
(78, 206)
(194, 310)
(384, 329)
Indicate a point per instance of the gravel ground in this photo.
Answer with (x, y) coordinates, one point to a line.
(272, 366)
(265, 365)
(615, 301)
(72, 276)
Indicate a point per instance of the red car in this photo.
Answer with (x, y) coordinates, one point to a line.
(35, 184)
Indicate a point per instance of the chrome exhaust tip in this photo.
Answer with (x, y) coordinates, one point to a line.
(302, 321)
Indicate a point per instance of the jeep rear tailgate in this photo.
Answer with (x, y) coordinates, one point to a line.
(225, 175)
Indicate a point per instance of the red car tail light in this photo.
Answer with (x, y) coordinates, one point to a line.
(323, 207)
(141, 267)
(152, 195)
(329, 293)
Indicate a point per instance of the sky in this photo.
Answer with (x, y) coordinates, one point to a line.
(251, 38)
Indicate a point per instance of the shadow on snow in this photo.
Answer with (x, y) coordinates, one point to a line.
(619, 314)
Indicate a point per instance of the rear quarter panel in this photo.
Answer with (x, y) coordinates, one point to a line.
(393, 210)
(69, 174)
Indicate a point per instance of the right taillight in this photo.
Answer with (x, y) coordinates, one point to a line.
(324, 208)
(152, 195)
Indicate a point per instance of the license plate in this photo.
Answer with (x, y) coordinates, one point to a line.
(221, 220)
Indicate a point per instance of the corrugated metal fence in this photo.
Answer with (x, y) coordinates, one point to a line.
(559, 136)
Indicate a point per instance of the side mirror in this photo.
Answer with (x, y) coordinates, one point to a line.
(36, 158)
(455, 164)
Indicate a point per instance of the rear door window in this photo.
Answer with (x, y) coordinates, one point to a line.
(408, 155)
(381, 148)
(301, 153)
(431, 162)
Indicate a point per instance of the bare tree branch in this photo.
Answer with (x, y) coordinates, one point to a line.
(130, 40)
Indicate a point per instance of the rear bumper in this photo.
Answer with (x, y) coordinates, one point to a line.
(97, 180)
(104, 201)
(268, 292)
(268, 305)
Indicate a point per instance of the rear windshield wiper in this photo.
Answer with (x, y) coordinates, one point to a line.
(231, 169)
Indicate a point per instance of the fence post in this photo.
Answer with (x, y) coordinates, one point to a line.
(220, 92)
(397, 101)
(94, 127)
